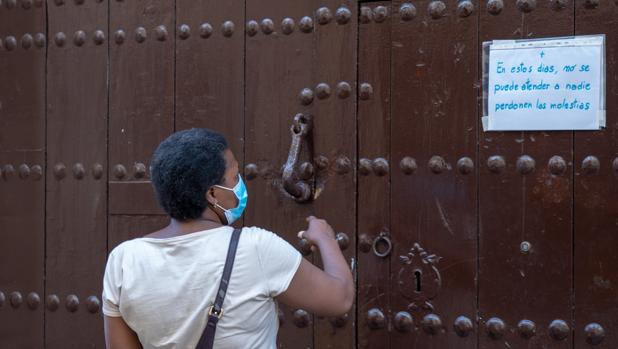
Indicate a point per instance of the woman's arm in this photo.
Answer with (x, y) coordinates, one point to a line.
(118, 335)
(328, 292)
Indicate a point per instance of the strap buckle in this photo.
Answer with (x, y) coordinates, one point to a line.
(212, 311)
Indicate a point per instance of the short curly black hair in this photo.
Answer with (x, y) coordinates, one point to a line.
(184, 166)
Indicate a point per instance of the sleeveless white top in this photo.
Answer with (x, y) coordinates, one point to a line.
(163, 287)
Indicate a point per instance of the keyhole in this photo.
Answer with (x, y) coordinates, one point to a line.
(418, 276)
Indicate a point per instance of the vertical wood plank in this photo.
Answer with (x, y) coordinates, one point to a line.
(22, 185)
(142, 50)
(517, 207)
(373, 217)
(210, 69)
(433, 269)
(76, 182)
(596, 283)
(278, 66)
(334, 136)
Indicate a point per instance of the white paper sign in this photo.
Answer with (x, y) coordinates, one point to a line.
(555, 84)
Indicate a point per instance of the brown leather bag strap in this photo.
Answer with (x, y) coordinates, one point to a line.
(215, 311)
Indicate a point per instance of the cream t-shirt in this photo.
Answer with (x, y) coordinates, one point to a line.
(163, 287)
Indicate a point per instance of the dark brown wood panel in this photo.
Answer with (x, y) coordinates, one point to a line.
(502, 203)
(433, 209)
(141, 81)
(525, 208)
(141, 49)
(133, 198)
(374, 130)
(210, 74)
(22, 186)
(278, 66)
(210, 68)
(596, 208)
(76, 182)
(334, 137)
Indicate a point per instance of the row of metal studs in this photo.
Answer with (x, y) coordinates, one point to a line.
(437, 9)
(98, 36)
(437, 164)
(184, 31)
(407, 12)
(79, 171)
(379, 166)
(495, 327)
(525, 164)
(323, 16)
(343, 89)
(33, 300)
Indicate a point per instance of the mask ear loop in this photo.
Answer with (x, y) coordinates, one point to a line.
(221, 207)
(226, 188)
(233, 189)
(222, 220)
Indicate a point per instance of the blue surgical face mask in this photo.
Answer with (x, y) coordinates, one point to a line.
(232, 214)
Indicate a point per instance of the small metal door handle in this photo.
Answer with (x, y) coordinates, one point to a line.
(305, 246)
(342, 240)
(384, 238)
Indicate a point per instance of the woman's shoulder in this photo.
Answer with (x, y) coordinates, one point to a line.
(264, 238)
(255, 230)
(259, 237)
(258, 234)
(122, 249)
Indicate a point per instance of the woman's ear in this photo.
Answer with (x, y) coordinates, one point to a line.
(210, 196)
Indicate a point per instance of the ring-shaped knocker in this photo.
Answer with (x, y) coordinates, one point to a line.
(383, 237)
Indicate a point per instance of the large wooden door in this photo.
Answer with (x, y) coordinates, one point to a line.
(499, 239)
(458, 238)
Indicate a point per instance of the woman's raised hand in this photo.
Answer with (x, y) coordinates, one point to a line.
(318, 231)
(328, 292)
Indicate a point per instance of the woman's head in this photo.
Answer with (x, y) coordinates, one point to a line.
(186, 169)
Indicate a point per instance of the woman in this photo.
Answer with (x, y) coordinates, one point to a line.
(157, 288)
